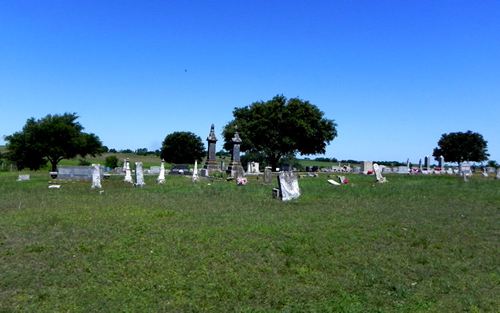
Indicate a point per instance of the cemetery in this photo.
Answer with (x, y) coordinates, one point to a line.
(332, 240)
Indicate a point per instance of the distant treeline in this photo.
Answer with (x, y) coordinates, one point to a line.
(350, 161)
(140, 151)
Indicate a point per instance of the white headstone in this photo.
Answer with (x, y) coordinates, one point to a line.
(288, 185)
(195, 178)
(367, 166)
(139, 175)
(23, 177)
(96, 176)
(161, 176)
(128, 173)
(378, 174)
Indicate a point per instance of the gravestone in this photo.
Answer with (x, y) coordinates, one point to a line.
(268, 175)
(356, 169)
(96, 176)
(403, 170)
(367, 167)
(288, 186)
(211, 163)
(498, 173)
(23, 177)
(485, 173)
(128, 173)
(490, 170)
(386, 169)
(235, 169)
(154, 170)
(441, 162)
(74, 172)
(194, 178)
(427, 163)
(465, 169)
(378, 174)
(139, 175)
(161, 175)
(253, 168)
(420, 165)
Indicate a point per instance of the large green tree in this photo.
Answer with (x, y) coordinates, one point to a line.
(50, 139)
(458, 147)
(280, 127)
(182, 147)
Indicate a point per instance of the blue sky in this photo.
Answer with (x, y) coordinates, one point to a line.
(394, 75)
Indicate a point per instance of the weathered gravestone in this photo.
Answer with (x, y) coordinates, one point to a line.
(161, 175)
(211, 162)
(403, 170)
(253, 168)
(498, 173)
(195, 177)
(74, 172)
(268, 175)
(139, 175)
(154, 170)
(427, 163)
(288, 185)
(96, 176)
(386, 169)
(485, 172)
(128, 172)
(235, 169)
(23, 177)
(378, 174)
(367, 167)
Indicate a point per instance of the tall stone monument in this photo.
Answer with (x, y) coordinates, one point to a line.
(235, 169)
(427, 163)
(211, 163)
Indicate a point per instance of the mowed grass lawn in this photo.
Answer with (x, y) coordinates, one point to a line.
(415, 244)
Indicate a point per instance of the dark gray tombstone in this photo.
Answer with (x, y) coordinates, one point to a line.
(427, 163)
(235, 169)
(268, 175)
(211, 163)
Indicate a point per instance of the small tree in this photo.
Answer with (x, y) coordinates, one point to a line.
(111, 161)
(458, 147)
(182, 147)
(50, 139)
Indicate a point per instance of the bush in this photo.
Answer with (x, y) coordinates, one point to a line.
(111, 161)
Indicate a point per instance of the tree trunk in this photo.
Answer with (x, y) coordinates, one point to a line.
(54, 166)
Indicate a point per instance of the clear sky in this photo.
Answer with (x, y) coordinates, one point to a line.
(394, 75)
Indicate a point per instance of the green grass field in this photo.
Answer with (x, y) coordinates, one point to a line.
(415, 244)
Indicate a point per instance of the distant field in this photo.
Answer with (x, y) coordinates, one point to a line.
(415, 244)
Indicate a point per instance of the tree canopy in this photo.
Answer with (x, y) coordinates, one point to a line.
(459, 147)
(50, 139)
(182, 147)
(280, 127)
